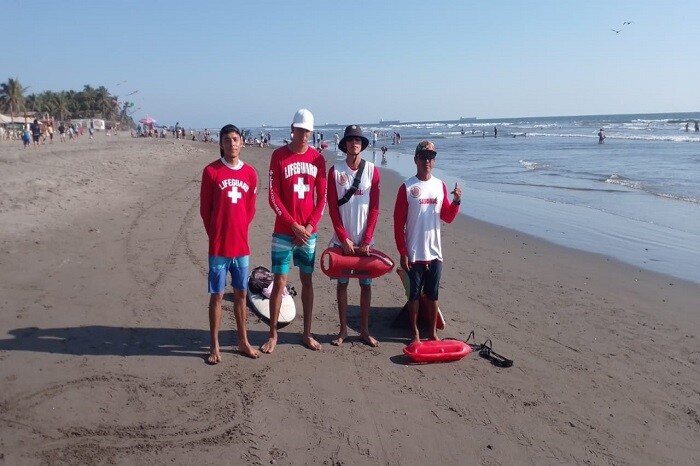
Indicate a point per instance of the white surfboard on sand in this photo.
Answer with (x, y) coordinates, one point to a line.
(261, 306)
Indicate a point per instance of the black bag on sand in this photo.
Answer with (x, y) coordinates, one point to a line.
(260, 278)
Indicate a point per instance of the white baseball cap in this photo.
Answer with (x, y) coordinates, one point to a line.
(303, 119)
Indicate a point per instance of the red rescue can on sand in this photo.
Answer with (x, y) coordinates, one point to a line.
(437, 351)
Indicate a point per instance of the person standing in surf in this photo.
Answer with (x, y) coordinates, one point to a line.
(601, 136)
(227, 206)
(421, 204)
(354, 214)
(297, 195)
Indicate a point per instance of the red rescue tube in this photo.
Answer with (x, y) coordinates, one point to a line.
(437, 350)
(337, 265)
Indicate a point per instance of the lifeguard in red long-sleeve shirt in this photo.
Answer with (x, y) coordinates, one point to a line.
(421, 204)
(227, 206)
(298, 197)
(354, 219)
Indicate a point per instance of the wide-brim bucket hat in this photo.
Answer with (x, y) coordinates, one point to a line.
(353, 131)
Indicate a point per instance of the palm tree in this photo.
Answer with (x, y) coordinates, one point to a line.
(105, 103)
(88, 97)
(62, 103)
(12, 97)
(34, 102)
(73, 103)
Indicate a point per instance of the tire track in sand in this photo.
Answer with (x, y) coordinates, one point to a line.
(147, 262)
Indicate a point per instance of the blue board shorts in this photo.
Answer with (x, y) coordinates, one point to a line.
(425, 277)
(363, 281)
(220, 267)
(283, 249)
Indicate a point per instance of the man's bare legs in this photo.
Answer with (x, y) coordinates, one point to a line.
(341, 295)
(307, 302)
(239, 311)
(365, 303)
(413, 317)
(280, 281)
(432, 318)
(214, 325)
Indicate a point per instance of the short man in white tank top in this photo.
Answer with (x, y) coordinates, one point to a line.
(421, 204)
(354, 220)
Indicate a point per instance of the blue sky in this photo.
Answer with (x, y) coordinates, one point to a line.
(211, 62)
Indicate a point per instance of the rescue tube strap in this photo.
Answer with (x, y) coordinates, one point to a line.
(355, 184)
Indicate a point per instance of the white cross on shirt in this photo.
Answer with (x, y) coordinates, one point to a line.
(300, 188)
(234, 195)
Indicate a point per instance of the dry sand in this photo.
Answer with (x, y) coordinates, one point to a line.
(103, 334)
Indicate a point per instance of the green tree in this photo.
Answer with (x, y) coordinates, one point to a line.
(12, 97)
(73, 103)
(49, 102)
(88, 99)
(62, 103)
(34, 102)
(105, 103)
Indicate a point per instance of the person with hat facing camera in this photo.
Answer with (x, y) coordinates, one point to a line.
(421, 204)
(227, 206)
(353, 205)
(297, 195)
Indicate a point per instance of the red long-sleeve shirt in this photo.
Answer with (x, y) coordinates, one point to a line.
(227, 206)
(294, 180)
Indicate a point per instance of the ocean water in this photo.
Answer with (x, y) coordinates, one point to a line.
(635, 198)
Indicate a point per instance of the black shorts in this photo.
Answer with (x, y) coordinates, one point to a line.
(36, 138)
(425, 278)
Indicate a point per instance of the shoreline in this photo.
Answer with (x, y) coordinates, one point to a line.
(636, 243)
(103, 278)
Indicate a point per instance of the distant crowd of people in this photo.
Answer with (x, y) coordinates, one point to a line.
(38, 132)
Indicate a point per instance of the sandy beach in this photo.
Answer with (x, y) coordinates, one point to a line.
(104, 334)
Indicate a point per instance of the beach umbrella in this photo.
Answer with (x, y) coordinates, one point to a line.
(147, 121)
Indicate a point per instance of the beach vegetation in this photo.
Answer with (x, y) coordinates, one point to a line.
(12, 98)
(90, 102)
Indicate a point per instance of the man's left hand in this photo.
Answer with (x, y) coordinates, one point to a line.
(457, 194)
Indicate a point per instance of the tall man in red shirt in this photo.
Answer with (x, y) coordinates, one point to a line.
(297, 195)
(421, 204)
(354, 220)
(227, 206)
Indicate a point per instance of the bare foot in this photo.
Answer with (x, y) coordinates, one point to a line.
(434, 337)
(312, 344)
(415, 340)
(214, 357)
(248, 350)
(341, 338)
(368, 339)
(269, 346)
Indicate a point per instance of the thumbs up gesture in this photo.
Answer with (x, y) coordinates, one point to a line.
(457, 194)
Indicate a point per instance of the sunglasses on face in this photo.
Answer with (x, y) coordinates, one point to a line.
(426, 157)
(354, 139)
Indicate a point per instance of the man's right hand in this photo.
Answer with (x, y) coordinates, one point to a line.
(348, 247)
(404, 263)
(301, 235)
